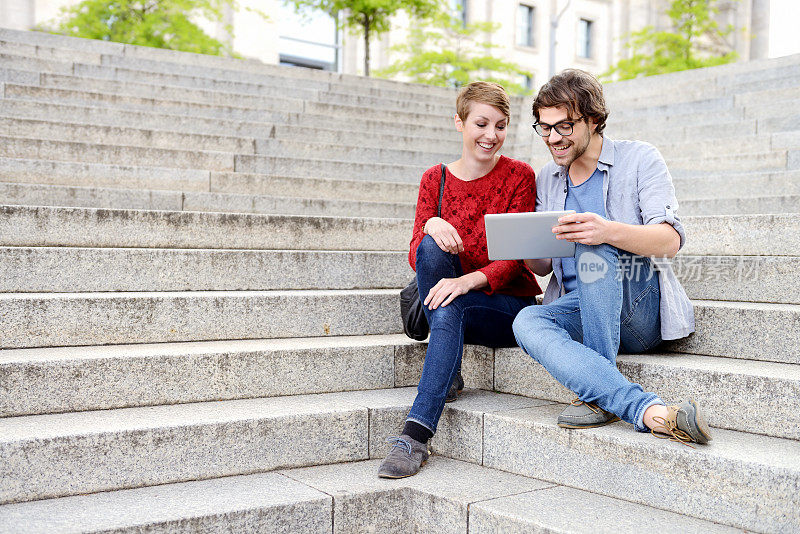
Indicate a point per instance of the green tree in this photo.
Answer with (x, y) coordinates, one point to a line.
(157, 23)
(449, 53)
(370, 17)
(695, 40)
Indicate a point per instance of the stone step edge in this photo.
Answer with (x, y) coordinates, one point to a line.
(301, 106)
(286, 500)
(71, 190)
(292, 116)
(210, 153)
(269, 136)
(485, 369)
(738, 451)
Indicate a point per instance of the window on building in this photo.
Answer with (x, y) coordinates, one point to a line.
(525, 25)
(585, 38)
(459, 10)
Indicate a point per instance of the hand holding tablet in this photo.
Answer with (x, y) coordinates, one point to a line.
(526, 236)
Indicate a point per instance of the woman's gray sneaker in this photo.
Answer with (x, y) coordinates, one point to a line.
(581, 414)
(684, 423)
(405, 459)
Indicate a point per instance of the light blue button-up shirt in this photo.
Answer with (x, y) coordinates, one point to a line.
(637, 189)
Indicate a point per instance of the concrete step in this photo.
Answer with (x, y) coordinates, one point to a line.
(181, 135)
(104, 450)
(736, 394)
(92, 197)
(71, 269)
(262, 126)
(720, 235)
(255, 95)
(350, 498)
(742, 235)
(70, 454)
(723, 79)
(331, 188)
(449, 496)
(215, 104)
(748, 205)
(65, 173)
(139, 119)
(122, 135)
(330, 168)
(48, 53)
(136, 103)
(108, 154)
(18, 76)
(70, 319)
(739, 185)
(739, 278)
(263, 502)
(344, 149)
(747, 330)
(68, 379)
(744, 480)
(10, 61)
(422, 139)
(86, 227)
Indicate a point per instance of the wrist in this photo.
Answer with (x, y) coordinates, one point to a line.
(477, 280)
(612, 235)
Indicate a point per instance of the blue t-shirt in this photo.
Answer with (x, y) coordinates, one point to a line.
(582, 198)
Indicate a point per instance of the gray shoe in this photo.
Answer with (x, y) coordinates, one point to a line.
(684, 423)
(581, 414)
(455, 388)
(405, 459)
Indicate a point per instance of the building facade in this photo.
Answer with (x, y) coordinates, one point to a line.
(541, 36)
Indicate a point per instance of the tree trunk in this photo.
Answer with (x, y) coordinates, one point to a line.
(366, 45)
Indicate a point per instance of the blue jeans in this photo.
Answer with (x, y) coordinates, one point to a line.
(577, 336)
(474, 317)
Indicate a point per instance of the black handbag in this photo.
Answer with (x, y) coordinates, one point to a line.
(415, 325)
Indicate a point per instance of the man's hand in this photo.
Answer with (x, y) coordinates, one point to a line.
(445, 235)
(448, 289)
(587, 228)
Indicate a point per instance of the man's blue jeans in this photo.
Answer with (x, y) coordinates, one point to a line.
(474, 317)
(577, 336)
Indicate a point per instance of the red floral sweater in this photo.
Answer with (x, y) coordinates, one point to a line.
(509, 187)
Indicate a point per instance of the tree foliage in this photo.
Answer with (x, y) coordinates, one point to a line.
(449, 53)
(369, 17)
(695, 40)
(157, 23)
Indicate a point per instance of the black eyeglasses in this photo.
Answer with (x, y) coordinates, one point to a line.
(562, 127)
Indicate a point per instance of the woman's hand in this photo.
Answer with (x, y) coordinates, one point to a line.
(587, 228)
(444, 234)
(448, 289)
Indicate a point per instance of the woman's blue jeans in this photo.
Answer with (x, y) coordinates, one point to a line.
(577, 336)
(474, 317)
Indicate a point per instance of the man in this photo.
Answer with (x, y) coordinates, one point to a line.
(610, 294)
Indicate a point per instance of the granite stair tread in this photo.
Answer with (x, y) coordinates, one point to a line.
(347, 497)
(511, 436)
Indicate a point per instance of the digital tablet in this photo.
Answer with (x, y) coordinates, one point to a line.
(526, 236)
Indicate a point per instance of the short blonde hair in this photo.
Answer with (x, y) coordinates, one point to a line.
(486, 93)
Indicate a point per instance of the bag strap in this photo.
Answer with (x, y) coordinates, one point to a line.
(441, 191)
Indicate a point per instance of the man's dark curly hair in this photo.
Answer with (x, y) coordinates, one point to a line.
(576, 90)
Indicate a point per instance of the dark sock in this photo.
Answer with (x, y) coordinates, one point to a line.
(416, 431)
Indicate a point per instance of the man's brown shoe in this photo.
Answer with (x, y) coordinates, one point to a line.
(684, 423)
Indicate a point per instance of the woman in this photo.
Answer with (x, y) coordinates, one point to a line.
(466, 297)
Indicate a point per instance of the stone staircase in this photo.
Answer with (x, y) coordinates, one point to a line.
(199, 268)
